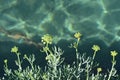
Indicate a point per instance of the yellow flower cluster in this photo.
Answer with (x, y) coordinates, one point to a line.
(77, 35)
(99, 70)
(96, 48)
(47, 39)
(14, 49)
(49, 57)
(114, 53)
(5, 61)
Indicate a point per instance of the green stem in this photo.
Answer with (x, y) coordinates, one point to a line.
(87, 73)
(76, 49)
(110, 74)
(19, 62)
(77, 56)
(94, 55)
(93, 58)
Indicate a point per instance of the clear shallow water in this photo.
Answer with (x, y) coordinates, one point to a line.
(22, 21)
(60, 18)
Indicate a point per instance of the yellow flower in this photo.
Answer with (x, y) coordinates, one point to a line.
(25, 56)
(45, 76)
(99, 70)
(14, 49)
(47, 39)
(49, 57)
(96, 48)
(5, 61)
(77, 35)
(113, 53)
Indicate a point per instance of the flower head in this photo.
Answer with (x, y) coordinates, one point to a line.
(14, 49)
(47, 39)
(5, 61)
(49, 57)
(99, 70)
(25, 56)
(113, 53)
(77, 35)
(96, 48)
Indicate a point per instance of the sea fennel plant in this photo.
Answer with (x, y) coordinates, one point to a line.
(56, 68)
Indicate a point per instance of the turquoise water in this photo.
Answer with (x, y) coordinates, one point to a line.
(25, 21)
